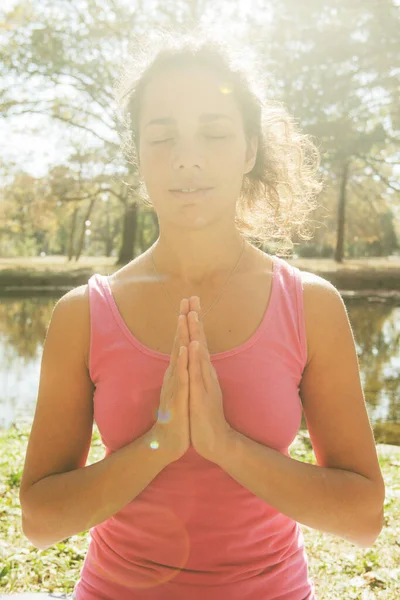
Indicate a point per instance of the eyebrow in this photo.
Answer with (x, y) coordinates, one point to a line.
(204, 118)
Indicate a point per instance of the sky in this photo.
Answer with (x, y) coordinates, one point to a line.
(34, 153)
(37, 152)
(51, 143)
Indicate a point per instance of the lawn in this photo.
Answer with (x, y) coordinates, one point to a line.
(339, 569)
(56, 262)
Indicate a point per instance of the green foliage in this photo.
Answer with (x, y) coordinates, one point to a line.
(332, 64)
(338, 568)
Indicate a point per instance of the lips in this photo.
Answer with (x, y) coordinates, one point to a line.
(190, 187)
(188, 197)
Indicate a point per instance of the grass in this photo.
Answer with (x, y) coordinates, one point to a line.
(57, 262)
(29, 273)
(338, 568)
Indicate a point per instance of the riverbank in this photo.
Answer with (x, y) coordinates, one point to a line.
(366, 275)
(338, 568)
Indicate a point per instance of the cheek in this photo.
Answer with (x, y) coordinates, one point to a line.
(230, 165)
(231, 153)
(152, 167)
(148, 157)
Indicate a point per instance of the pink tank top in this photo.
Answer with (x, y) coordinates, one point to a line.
(194, 532)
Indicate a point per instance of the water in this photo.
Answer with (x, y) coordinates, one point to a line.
(375, 321)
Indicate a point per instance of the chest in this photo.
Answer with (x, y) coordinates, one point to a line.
(260, 393)
(152, 317)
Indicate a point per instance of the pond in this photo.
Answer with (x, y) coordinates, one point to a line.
(375, 319)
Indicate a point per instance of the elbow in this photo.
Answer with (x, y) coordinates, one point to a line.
(371, 534)
(366, 542)
(374, 520)
(37, 544)
(31, 535)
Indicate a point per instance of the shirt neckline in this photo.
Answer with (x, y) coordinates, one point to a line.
(213, 356)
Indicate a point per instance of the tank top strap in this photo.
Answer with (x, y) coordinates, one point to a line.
(298, 282)
(102, 324)
(292, 303)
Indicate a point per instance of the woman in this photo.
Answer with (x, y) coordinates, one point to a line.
(196, 360)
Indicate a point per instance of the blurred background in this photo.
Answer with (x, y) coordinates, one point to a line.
(66, 210)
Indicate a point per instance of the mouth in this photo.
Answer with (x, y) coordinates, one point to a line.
(197, 195)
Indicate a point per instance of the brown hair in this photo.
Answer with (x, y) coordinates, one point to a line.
(280, 190)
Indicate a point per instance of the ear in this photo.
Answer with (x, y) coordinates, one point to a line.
(251, 154)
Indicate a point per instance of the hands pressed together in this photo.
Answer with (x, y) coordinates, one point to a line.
(191, 404)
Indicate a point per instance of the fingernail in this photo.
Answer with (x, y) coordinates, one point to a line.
(196, 317)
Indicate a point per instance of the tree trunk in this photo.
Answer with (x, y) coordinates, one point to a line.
(108, 244)
(83, 230)
(141, 224)
(72, 234)
(154, 218)
(151, 225)
(128, 233)
(339, 250)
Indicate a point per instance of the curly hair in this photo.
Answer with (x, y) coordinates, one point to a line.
(280, 191)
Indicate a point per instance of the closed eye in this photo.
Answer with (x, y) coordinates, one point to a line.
(161, 141)
(214, 137)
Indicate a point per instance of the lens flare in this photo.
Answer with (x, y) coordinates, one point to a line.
(226, 88)
(163, 416)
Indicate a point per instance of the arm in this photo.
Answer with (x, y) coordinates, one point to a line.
(335, 501)
(59, 494)
(64, 504)
(343, 494)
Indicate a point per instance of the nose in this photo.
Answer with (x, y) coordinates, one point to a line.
(188, 154)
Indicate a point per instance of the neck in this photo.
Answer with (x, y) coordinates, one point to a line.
(195, 261)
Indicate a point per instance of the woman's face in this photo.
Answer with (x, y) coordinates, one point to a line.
(200, 143)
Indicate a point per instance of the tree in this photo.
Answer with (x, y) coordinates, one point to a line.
(72, 69)
(332, 64)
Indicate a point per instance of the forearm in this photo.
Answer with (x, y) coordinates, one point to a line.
(64, 504)
(332, 500)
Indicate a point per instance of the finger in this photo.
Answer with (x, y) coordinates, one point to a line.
(198, 333)
(183, 368)
(178, 342)
(195, 306)
(195, 373)
(179, 370)
(184, 308)
(180, 339)
(201, 354)
(181, 335)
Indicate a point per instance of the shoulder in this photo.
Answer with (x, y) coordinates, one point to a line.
(75, 297)
(74, 303)
(324, 311)
(317, 289)
(72, 311)
(315, 284)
